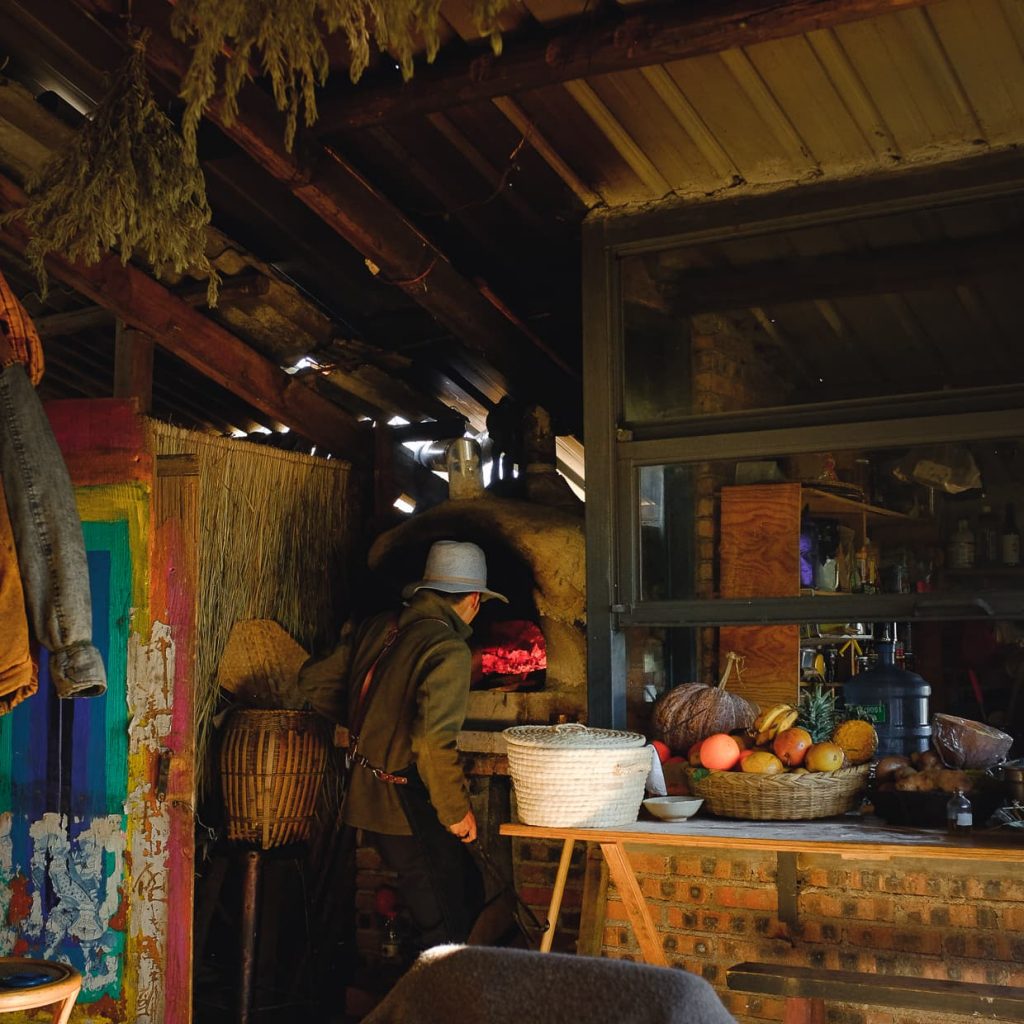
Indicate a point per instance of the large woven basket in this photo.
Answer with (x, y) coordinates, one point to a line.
(572, 776)
(271, 767)
(783, 797)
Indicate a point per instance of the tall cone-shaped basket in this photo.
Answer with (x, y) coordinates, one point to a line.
(271, 767)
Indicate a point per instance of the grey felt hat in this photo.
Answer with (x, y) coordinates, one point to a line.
(455, 567)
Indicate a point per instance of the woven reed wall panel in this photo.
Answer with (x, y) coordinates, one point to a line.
(276, 531)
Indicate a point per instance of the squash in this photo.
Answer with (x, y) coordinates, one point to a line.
(692, 711)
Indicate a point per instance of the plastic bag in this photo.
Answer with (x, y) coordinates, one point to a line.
(947, 467)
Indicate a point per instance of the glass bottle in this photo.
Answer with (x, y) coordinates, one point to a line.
(1010, 538)
(961, 547)
(986, 546)
(959, 814)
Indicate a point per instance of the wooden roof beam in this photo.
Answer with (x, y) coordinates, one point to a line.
(144, 304)
(585, 47)
(883, 271)
(395, 250)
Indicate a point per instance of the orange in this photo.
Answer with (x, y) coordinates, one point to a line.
(720, 752)
(761, 762)
(824, 757)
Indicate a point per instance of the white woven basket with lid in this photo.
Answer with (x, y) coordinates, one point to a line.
(572, 776)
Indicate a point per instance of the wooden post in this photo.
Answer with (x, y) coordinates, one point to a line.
(621, 872)
(133, 366)
(798, 1010)
(556, 896)
(595, 900)
(253, 862)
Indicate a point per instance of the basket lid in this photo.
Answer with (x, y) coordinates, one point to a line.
(573, 736)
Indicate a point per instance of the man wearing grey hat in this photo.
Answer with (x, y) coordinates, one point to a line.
(408, 689)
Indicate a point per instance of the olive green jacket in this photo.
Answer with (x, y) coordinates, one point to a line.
(416, 708)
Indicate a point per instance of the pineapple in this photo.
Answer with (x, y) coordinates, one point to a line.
(818, 711)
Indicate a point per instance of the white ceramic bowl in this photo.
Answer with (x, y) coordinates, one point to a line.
(673, 808)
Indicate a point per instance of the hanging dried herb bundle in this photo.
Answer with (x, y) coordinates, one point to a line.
(289, 37)
(127, 182)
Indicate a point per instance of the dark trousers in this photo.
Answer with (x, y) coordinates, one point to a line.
(438, 879)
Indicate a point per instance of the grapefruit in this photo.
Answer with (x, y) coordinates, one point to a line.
(719, 752)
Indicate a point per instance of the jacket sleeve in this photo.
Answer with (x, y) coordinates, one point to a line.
(441, 699)
(323, 682)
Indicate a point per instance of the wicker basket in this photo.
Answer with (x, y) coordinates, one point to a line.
(271, 767)
(572, 776)
(783, 797)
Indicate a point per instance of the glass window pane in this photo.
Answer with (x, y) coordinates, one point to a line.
(928, 517)
(878, 307)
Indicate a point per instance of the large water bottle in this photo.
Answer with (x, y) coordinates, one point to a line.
(894, 699)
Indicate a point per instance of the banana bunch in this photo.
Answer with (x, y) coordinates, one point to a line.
(772, 721)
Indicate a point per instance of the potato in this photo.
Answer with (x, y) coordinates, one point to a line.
(916, 783)
(949, 780)
(888, 766)
(906, 772)
(929, 759)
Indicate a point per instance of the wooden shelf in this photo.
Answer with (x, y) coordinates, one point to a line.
(824, 503)
(992, 570)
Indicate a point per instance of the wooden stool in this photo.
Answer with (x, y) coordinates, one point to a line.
(60, 990)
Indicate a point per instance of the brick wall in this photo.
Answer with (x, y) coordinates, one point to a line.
(929, 918)
(731, 372)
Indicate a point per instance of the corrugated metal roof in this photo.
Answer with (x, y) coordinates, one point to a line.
(931, 83)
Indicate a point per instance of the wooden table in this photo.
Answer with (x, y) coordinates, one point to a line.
(849, 838)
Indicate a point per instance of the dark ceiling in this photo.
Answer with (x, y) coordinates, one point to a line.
(418, 254)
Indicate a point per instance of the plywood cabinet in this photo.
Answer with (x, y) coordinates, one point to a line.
(759, 556)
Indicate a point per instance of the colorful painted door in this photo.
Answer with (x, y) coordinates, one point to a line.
(96, 801)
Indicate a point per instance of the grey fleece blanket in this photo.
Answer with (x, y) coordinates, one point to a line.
(480, 985)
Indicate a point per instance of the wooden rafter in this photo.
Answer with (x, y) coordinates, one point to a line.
(864, 273)
(625, 39)
(144, 304)
(395, 250)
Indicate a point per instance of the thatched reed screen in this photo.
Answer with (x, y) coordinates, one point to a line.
(275, 532)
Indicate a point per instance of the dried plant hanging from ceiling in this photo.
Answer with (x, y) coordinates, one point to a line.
(128, 183)
(289, 36)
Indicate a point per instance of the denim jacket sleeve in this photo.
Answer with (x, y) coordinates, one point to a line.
(48, 538)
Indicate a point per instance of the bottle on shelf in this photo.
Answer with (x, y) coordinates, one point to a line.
(986, 540)
(1010, 538)
(960, 553)
(959, 814)
(909, 660)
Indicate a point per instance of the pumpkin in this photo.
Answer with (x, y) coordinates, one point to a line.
(692, 711)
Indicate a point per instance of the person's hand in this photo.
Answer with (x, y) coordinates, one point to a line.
(465, 829)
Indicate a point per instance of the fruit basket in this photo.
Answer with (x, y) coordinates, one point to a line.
(785, 797)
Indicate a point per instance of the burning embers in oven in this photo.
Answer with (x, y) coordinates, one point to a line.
(510, 655)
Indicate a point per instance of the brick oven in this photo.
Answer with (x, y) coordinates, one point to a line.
(535, 556)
